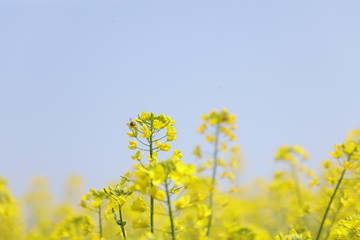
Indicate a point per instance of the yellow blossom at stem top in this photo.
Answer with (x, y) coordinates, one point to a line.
(157, 124)
(291, 153)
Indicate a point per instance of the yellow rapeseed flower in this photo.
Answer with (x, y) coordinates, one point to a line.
(157, 124)
(182, 202)
(197, 151)
(140, 223)
(138, 155)
(202, 211)
(133, 145)
(163, 146)
(139, 204)
(210, 138)
(177, 155)
(349, 147)
(157, 193)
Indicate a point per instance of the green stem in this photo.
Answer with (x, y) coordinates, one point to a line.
(152, 205)
(173, 236)
(100, 222)
(122, 223)
(329, 205)
(152, 213)
(333, 221)
(213, 179)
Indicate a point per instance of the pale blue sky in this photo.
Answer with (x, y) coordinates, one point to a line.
(73, 73)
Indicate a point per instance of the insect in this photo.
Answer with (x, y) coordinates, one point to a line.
(131, 124)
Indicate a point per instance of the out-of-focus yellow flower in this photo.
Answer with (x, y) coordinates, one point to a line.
(197, 151)
(120, 200)
(348, 165)
(314, 181)
(208, 163)
(234, 190)
(157, 193)
(228, 175)
(83, 204)
(331, 180)
(210, 138)
(157, 174)
(221, 162)
(291, 154)
(354, 136)
(356, 155)
(179, 226)
(224, 146)
(177, 155)
(181, 172)
(73, 227)
(140, 223)
(326, 164)
(338, 153)
(202, 211)
(310, 173)
(139, 204)
(93, 199)
(198, 197)
(182, 202)
(202, 128)
(349, 147)
(301, 151)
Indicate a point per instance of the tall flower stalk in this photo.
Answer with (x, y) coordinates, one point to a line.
(146, 129)
(293, 154)
(213, 176)
(348, 156)
(217, 125)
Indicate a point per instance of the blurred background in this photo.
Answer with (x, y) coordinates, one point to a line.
(73, 73)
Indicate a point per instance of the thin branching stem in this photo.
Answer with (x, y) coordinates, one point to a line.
(122, 224)
(152, 204)
(213, 178)
(173, 236)
(329, 204)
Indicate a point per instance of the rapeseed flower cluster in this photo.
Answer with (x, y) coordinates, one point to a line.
(165, 197)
